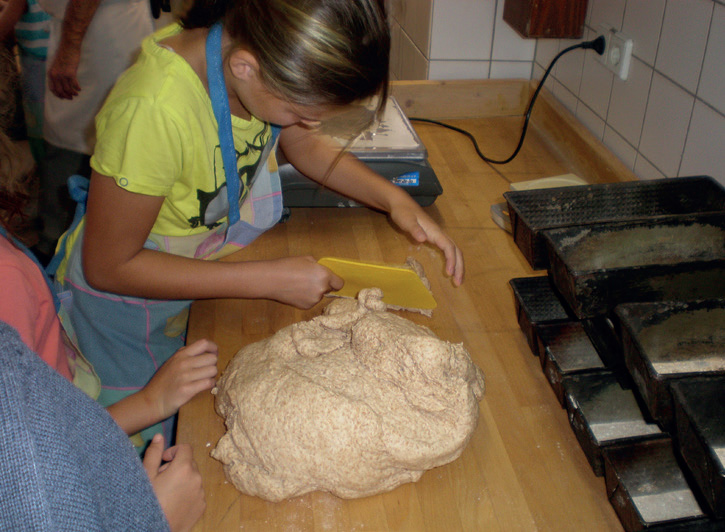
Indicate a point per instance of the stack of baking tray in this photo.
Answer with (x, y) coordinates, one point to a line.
(668, 341)
(537, 304)
(598, 267)
(534, 211)
(700, 418)
(649, 490)
(629, 326)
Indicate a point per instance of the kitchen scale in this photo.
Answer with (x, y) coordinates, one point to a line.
(390, 147)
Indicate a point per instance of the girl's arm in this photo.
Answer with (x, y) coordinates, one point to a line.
(314, 154)
(192, 369)
(118, 223)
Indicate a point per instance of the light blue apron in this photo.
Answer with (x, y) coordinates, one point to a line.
(127, 338)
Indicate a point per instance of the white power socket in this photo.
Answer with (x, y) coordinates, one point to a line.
(617, 54)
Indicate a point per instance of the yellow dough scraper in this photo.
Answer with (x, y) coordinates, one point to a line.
(401, 285)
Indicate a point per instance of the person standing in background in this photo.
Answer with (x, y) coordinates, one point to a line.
(91, 43)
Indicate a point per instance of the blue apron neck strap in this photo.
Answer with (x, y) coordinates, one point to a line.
(220, 106)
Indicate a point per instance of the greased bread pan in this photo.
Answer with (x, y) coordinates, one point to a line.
(595, 268)
(534, 211)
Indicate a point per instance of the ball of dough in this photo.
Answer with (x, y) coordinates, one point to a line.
(354, 402)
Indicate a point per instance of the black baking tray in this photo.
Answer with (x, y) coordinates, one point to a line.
(537, 303)
(534, 211)
(603, 413)
(700, 420)
(605, 337)
(595, 268)
(565, 350)
(665, 341)
(649, 491)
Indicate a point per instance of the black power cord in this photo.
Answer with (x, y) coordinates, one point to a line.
(597, 45)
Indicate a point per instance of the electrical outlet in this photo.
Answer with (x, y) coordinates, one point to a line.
(617, 52)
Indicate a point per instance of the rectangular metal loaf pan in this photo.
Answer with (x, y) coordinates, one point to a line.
(534, 211)
(595, 268)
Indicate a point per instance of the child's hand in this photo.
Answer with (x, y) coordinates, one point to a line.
(177, 483)
(411, 218)
(192, 369)
(301, 281)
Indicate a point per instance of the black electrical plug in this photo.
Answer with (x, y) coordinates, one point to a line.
(597, 45)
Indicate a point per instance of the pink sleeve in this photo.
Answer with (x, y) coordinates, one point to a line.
(19, 304)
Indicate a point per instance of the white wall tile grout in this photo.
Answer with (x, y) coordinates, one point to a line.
(493, 35)
(704, 55)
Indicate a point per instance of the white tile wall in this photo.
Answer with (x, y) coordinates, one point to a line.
(620, 147)
(458, 39)
(507, 44)
(704, 149)
(569, 67)
(413, 63)
(646, 170)
(643, 23)
(546, 49)
(608, 12)
(667, 119)
(395, 50)
(628, 102)
(566, 97)
(712, 80)
(596, 81)
(460, 69)
(665, 124)
(510, 70)
(590, 119)
(683, 41)
(415, 18)
(462, 29)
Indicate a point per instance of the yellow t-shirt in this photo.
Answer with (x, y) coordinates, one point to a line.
(157, 135)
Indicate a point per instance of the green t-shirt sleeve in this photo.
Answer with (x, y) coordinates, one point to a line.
(140, 145)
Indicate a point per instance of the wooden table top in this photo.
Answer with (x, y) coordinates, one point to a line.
(523, 468)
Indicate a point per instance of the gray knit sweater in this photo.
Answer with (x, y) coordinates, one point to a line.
(64, 464)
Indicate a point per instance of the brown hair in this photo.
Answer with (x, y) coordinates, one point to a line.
(310, 52)
(13, 174)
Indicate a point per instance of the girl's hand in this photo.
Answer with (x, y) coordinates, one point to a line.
(300, 281)
(315, 157)
(411, 218)
(176, 483)
(192, 369)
